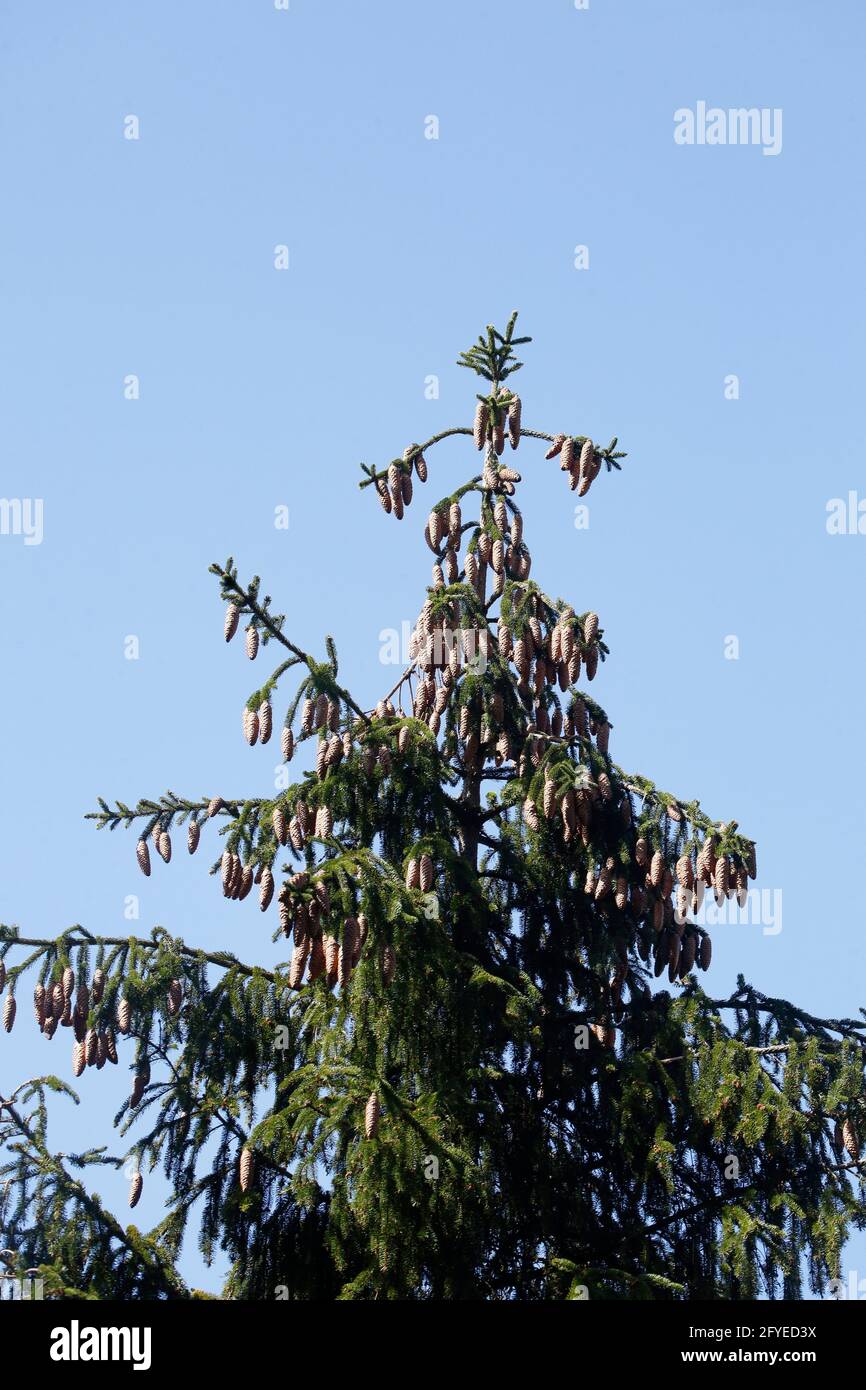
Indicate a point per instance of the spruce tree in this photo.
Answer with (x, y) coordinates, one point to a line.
(465, 1079)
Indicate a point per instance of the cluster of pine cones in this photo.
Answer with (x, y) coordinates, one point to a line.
(496, 416)
(59, 1004)
(578, 458)
(325, 944)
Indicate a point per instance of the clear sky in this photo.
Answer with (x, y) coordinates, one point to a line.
(259, 388)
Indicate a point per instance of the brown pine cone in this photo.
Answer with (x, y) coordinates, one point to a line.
(266, 889)
(230, 625)
(192, 836)
(265, 721)
(165, 847)
(9, 1011)
(252, 642)
(287, 744)
(556, 446)
(372, 1112)
(135, 1187)
(299, 962)
(590, 628)
(657, 868)
(389, 963)
(850, 1142)
(706, 953)
(514, 412)
(78, 1059)
(123, 1016)
(425, 871)
(479, 429)
(67, 982)
(384, 494)
(685, 872)
(174, 997)
(142, 854)
(250, 725)
(246, 1169)
(591, 663)
(566, 457)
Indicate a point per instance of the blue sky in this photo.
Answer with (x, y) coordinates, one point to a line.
(262, 388)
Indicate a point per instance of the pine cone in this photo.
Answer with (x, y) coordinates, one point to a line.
(566, 456)
(479, 429)
(175, 997)
(278, 820)
(78, 1060)
(287, 744)
(250, 725)
(67, 982)
(246, 1169)
(165, 847)
(252, 642)
(530, 814)
(590, 628)
(425, 869)
(591, 663)
(372, 1112)
(685, 872)
(39, 1003)
(142, 854)
(9, 1010)
(850, 1142)
(514, 412)
(230, 626)
(110, 1047)
(135, 1187)
(193, 835)
(706, 952)
(140, 1080)
(265, 721)
(123, 1016)
(389, 964)
(657, 868)
(752, 862)
(555, 447)
(299, 962)
(384, 494)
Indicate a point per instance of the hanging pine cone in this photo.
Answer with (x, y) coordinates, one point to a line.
(721, 877)
(193, 835)
(140, 1081)
(850, 1142)
(230, 626)
(252, 642)
(751, 862)
(246, 1169)
(412, 874)
(287, 744)
(706, 954)
(110, 1047)
(479, 429)
(265, 721)
(566, 454)
(372, 1112)
(556, 446)
(78, 1059)
(174, 997)
(590, 628)
(389, 963)
(685, 872)
(9, 1010)
(384, 494)
(657, 868)
(135, 1186)
(299, 962)
(67, 982)
(142, 854)
(165, 847)
(123, 1016)
(591, 663)
(687, 958)
(514, 412)
(250, 725)
(425, 872)
(39, 1003)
